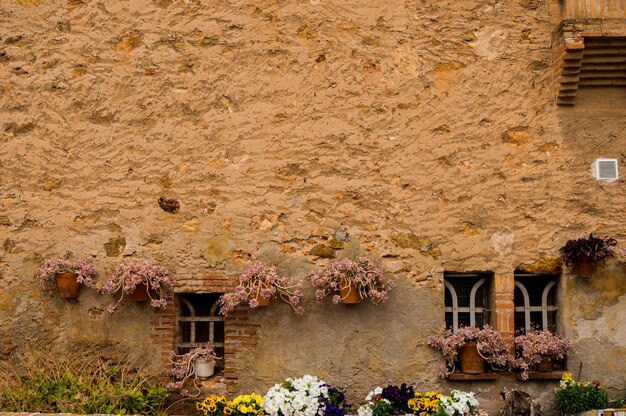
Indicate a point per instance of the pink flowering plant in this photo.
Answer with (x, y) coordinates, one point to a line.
(367, 277)
(261, 280)
(47, 272)
(490, 344)
(183, 368)
(127, 277)
(532, 347)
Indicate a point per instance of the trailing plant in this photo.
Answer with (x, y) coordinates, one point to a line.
(261, 280)
(532, 347)
(367, 277)
(574, 396)
(127, 277)
(183, 367)
(46, 274)
(73, 385)
(490, 344)
(591, 248)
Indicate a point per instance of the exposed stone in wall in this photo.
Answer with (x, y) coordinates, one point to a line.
(422, 133)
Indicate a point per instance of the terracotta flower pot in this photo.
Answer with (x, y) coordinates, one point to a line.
(261, 300)
(140, 294)
(349, 292)
(545, 364)
(68, 285)
(585, 268)
(470, 360)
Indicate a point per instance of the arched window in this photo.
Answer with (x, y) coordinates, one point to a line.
(466, 299)
(535, 302)
(198, 322)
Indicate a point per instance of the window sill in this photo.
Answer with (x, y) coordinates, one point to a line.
(472, 377)
(549, 375)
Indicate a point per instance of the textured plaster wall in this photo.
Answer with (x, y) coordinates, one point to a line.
(423, 132)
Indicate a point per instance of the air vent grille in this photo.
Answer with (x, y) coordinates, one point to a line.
(605, 169)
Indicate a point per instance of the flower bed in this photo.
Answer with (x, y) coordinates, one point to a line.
(310, 396)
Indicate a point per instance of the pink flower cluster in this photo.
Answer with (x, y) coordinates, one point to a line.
(363, 272)
(128, 276)
(489, 342)
(261, 280)
(46, 273)
(531, 347)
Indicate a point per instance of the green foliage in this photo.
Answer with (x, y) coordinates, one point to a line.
(92, 388)
(579, 397)
(382, 408)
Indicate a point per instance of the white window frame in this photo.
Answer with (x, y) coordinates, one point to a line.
(455, 308)
(544, 308)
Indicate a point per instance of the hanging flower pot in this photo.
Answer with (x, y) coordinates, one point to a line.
(140, 294)
(349, 293)
(261, 300)
(68, 284)
(66, 276)
(584, 267)
(204, 368)
(470, 360)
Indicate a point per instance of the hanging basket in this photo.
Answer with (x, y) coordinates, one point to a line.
(585, 268)
(349, 293)
(140, 294)
(470, 360)
(68, 285)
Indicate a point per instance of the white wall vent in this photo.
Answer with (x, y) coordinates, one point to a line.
(605, 170)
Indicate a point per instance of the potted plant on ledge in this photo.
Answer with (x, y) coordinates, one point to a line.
(471, 347)
(257, 285)
(351, 280)
(199, 362)
(66, 275)
(585, 253)
(142, 281)
(539, 351)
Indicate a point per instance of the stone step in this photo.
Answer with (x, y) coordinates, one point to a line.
(604, 42)
(605, 66)
(604, 51)
(603, 83)
(602, 74)
(603, 59)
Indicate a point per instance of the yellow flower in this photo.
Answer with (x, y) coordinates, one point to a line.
(227, 410)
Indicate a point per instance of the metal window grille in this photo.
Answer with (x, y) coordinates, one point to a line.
(466, 299)
(199, 322)
(535, 302)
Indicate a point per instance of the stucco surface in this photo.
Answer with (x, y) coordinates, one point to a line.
(425, 133)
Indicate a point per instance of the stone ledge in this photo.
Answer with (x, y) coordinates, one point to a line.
(472, 377)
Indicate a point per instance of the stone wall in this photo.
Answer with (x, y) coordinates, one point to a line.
(423, 133)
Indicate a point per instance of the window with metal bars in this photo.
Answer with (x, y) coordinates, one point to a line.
(466, 299)
(199, 322)
(535, 302)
